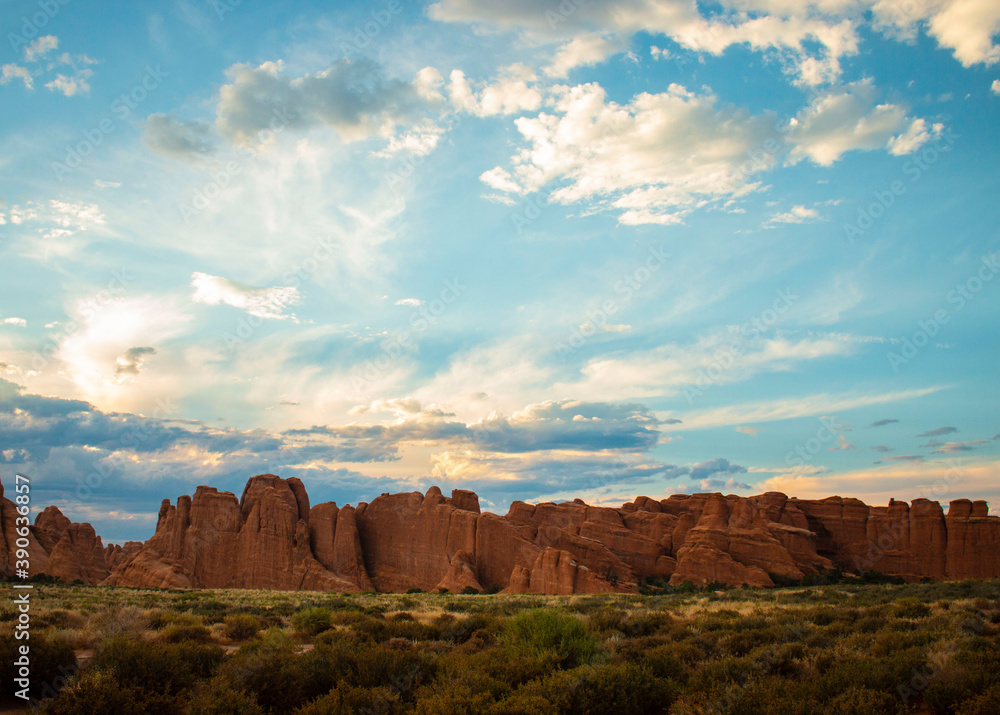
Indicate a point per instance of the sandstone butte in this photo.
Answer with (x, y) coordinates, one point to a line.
(271, 538)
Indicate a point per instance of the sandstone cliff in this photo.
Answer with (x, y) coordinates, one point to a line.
(272, 538)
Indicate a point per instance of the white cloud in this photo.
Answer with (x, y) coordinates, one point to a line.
(797, 214)
(967, 27)
(415, 302)
(70, 86)
(652, 160)
(101, 184)
(587, 49)
(20, 322)
(847, 119)
(11, 72)
(353, 98)
(510, 93)
(614, 21)
(269, 303)
(40, 47)
(995, 87)
(747, 429)
(56, 226)
(914, 137)
(93, 357)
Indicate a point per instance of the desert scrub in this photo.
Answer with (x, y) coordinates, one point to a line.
(241, 627)
(550, 633)
(52, 663)
(312, 621)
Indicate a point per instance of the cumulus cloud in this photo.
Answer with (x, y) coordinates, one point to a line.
(70, 85)
(131, 361)
(19, 322)
(995, 87)
(413, 302)
(813, 41)
(652, 160)
(11, 72)
(176, 137)
(268, 303)
(586, 49)
(848, 118)
(355, 99)
(40, 47)
(510, 93)
(967, 27)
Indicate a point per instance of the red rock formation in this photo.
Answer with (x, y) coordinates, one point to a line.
(79, 556)
(461, 575)
(213, 541)
(408, 540)
(556, 573)
(272, 538)
(38, 558)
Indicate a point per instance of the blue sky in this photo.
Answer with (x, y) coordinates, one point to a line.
(539, 250)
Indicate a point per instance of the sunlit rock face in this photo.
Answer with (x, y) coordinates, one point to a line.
(272, 538)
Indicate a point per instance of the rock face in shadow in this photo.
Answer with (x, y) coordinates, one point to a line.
(272, 538)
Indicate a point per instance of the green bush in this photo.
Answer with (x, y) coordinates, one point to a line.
(241, 627)
(156, 667)
(347, 700)
(911, 608)
(550, 632)
(99, 692)
(312, 621)
(216, 696)
(181, 632)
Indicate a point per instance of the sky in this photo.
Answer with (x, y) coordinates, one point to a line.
(541, 250)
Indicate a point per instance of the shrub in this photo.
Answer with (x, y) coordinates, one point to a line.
(52, 662)
(156, 667)
(864, 701)
(216, 696)
(241, 627)
(549, 632)
(181, 632)
(347, 700)
(911, 608)
(312, 621)
(98, 692)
